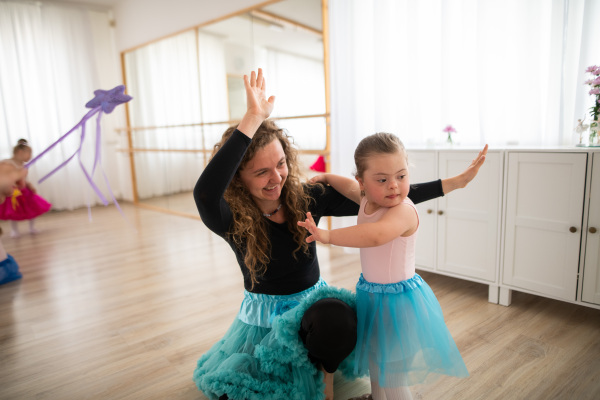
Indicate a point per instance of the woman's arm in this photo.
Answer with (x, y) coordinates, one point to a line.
(346, 186)
(396, 222)
(210, 189)
(216, 177)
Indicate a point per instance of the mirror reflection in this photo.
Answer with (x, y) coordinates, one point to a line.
(189, 88)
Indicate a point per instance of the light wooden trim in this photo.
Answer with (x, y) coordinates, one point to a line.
(134, 187)
(325, 16)
(229, 122)
(212, 21)
(270, 15)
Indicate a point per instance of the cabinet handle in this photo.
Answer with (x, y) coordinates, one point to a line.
(440, 212)
(429, 211)
(593, 230)
(572, 229)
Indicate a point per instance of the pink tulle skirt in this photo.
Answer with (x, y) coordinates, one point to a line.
(23, 205)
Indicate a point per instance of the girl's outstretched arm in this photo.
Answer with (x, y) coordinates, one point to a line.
(346, 186)
(461, 180)
(396, 222)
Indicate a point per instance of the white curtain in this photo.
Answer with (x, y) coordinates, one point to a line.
(163, 77)
(500, 71)
(53, 57)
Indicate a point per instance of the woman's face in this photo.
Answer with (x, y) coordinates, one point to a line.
(265, 174)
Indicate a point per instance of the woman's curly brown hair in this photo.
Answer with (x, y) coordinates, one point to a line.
(249, 230)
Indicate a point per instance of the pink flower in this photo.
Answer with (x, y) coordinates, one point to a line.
(595, 91)
(592, 69)
(595, 82)
(448, 129)
(589, 82)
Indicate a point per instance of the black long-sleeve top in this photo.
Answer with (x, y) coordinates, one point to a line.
(284, 273)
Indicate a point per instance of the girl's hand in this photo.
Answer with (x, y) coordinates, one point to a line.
(321, 178)
(462, 180)
(321, 235)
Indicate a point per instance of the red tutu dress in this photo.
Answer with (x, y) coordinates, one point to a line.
(23, 205)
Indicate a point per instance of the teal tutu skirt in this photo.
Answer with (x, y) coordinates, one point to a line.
(402, 337)
(262, 357)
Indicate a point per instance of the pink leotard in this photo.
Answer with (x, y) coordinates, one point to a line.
(392, 262)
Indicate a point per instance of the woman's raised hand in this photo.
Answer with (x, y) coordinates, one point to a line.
(259, 106)
(256, 97)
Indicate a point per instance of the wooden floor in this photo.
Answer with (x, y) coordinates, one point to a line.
(116, 309)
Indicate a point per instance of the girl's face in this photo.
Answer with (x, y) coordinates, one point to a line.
(385, 180)
(23, 155)
(265, 174)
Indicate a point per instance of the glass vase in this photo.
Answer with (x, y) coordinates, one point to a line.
(594, 137)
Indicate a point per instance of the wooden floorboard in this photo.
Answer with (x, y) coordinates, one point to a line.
(117, 308)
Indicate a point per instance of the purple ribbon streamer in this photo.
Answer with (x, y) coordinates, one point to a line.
(77, 152)
(83, 120)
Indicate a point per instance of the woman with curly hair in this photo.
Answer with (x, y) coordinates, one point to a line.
(293, 330)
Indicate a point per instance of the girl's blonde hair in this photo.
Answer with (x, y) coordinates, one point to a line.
(378, 143)
(249, 229)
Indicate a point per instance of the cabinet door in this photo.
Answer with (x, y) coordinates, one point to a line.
(544, 207)
(591, 269)
(468, 219)
(423, 168)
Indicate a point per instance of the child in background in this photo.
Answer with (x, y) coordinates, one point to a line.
(9, 175)
(402, 336)
(24, 204)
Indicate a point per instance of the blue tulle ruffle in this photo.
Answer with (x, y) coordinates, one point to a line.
(402, 337)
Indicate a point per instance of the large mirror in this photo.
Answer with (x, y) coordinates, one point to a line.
(188, 88)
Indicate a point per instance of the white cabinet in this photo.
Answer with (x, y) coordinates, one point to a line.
(591, 269)
(459, 234)
(543, 223)
(423, 168)
(469, 219)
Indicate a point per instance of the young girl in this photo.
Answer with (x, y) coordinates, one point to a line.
(9, 174)
(402, 336)
(24, 204)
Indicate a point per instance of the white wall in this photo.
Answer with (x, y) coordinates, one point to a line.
(141, 21)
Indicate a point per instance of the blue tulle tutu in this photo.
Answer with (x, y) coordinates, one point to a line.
(402, 336)
(9, 270)
(262, 357)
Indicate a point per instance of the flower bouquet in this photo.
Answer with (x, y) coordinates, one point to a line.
(449, 129)
(594, 83)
